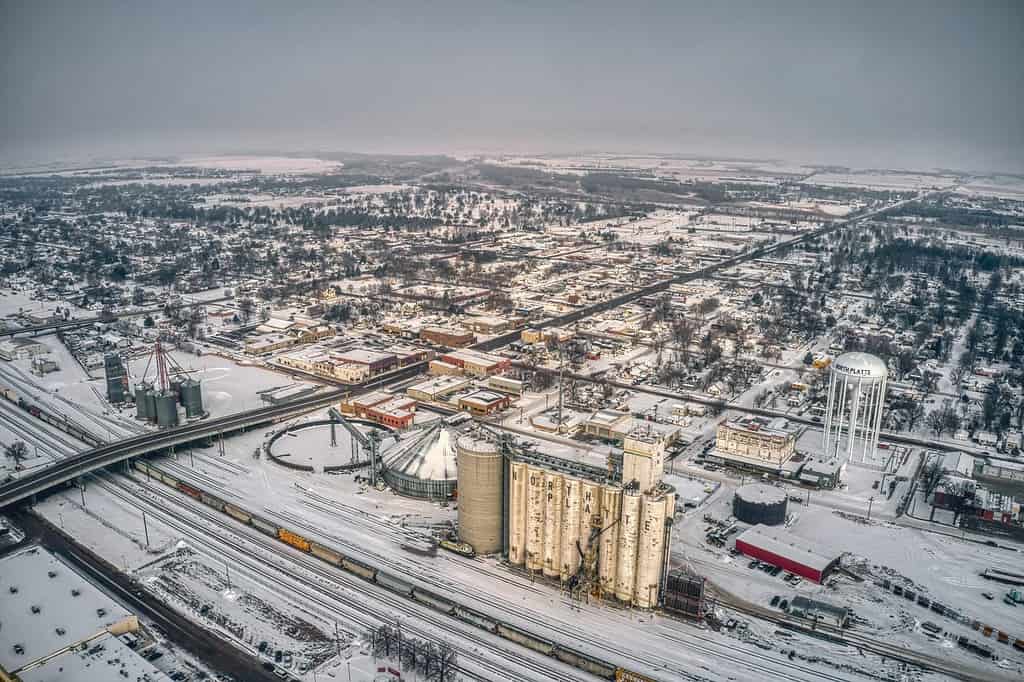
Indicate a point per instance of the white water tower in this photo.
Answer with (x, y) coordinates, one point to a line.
(853, 416)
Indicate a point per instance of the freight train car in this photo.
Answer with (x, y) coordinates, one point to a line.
(325, 554)
(236, 513)
(476, 619)
(511, 632)
(164, 476)
(359, 568)
(189, 490)
(390, 582)
(212, 501)
(264, 526)
(434, 601)
(584, 662)
(293, 539)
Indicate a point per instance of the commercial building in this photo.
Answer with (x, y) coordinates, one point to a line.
(483, 403)
(398, 413)
(376, 362)
(487, 324)
(438, 388)
(756, 442)
(477, 364)
(822, 474)
(446, 336)
(608, 424)
(506, 385)
(441, 368)
(782, 549)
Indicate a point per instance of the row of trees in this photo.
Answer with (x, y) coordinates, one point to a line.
(428, 660)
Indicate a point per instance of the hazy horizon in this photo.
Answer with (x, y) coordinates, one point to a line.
(922, 85)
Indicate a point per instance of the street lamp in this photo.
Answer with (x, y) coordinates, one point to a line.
(871, 501)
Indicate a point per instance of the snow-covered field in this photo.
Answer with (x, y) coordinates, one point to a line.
(272, 165)
(881, 180)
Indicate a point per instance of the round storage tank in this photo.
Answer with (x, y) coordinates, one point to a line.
(176, 389)
(144, 401)
(757, 503)
(192, 398)
(480, 493)
(166, 408)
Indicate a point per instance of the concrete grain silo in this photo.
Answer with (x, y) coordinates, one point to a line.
(517, 514)
(554, 492)
(629, 528)
(535, 501)
(655, 509)
(611, 504)
(571, 508)
(480, 488)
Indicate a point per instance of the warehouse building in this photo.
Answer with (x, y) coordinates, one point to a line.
(788, 552)
(22, 349)
(59, 626)
(506, 385)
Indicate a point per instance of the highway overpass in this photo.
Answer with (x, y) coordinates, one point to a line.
(72, 467)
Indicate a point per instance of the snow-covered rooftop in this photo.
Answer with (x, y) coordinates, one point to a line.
(46, 606)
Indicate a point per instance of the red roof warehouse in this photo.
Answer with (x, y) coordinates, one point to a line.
(788, 552)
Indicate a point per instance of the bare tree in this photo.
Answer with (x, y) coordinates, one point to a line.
(931, 475)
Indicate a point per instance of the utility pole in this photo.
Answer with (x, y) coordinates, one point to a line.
(81, 488)
(145, 529)
(871, 501)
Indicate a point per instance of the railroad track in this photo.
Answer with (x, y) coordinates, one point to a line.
(226, 537)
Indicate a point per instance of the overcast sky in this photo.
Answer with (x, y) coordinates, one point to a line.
(910, 83)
